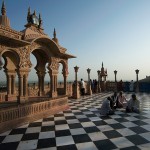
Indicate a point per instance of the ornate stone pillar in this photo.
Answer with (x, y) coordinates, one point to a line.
(25, 86)
(99, 87)
(65, 75)
(137, 80)
(21, 85)
(41, 75)
(23, 71)
(65, 84)
(53, 86)
(13, 84)
(1, 63)
(53, 72)
(10, 85)
(115, 72)
(76, 92)
(89, 91)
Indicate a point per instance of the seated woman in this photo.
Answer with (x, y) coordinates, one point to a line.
(133, 105)
(105, 108)
(121, 101)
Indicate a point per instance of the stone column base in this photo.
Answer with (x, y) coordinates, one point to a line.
(22, 99)
(10, 97)
(42, 93)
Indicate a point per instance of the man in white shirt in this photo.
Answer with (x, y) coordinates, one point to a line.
(82, 87)
(133, 105)
(105, 108)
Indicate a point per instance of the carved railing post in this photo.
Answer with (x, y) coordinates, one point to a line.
(89, 91)
(65, 75)
(76, 92)
(99, 87)
(115, 72)
(137, 80)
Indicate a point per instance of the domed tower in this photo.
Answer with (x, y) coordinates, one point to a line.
(33, 20)
(33, 26)
(103, 75)
(3, 18)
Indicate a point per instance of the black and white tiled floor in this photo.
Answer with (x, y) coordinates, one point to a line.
(82, 128)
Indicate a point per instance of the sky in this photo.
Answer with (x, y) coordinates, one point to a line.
(115, 32)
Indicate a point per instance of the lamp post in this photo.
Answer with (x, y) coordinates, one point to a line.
(89, 91)
(115, 72)
(76, 92)
(99, 87)
(137, 80)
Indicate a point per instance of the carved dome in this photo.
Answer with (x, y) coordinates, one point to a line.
(4, 20)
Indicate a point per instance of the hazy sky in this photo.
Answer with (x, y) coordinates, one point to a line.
(115, 32)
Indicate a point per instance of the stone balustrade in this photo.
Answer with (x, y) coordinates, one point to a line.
(19, 114)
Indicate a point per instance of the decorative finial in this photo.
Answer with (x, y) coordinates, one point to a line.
(102, 64)
(28, 16)
(3, 9)
(40, 21)
(54, 34)
(29, 10)
(34, 13)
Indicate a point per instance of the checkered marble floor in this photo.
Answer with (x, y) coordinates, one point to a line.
(81, 127)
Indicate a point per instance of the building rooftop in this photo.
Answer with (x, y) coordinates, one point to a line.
(82, 127)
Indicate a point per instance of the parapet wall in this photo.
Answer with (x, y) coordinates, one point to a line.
(17, 115)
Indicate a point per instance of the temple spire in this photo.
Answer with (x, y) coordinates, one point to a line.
(102, 65)
(4, 20)
(55, 38)
(28, 15)
(40, 21)
(3, 9)
(34, 13)
(54, 34)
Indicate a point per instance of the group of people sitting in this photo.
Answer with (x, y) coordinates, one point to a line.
(119, 101)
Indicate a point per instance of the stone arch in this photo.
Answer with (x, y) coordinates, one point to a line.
(43, 47)
(64, 73)
(46, 43)
(11, 58)
(42, 59)
(11, 64)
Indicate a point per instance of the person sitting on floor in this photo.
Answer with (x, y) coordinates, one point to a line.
(133, 105)
(105, 108)
(121, 101)
(114, 98)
